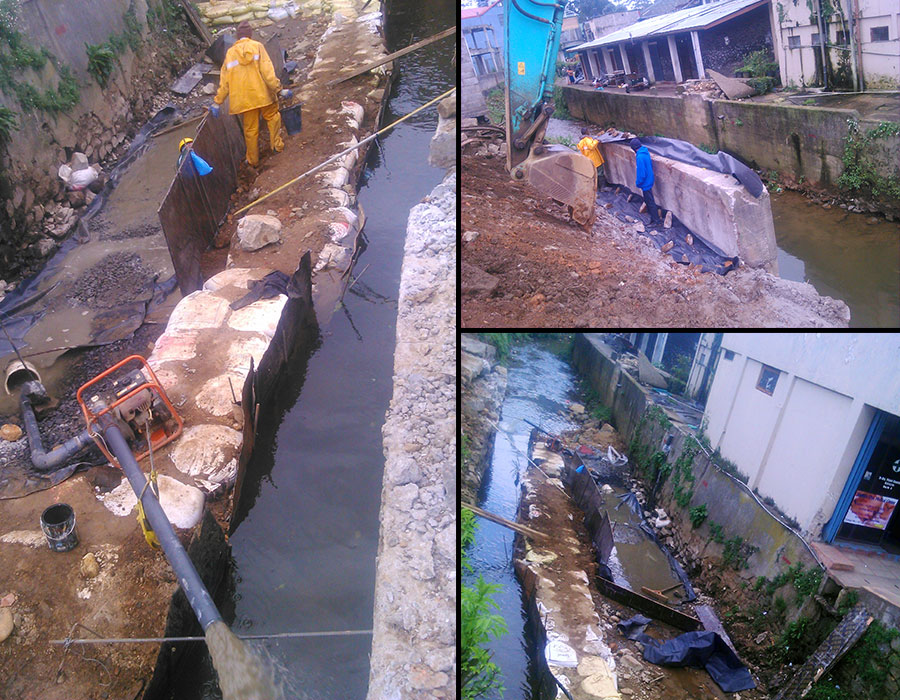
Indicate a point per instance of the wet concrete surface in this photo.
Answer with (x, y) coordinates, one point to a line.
(842, 255)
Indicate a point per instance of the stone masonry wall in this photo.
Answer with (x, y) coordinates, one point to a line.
(414, 642)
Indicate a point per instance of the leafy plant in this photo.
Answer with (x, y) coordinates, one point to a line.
(496, 106)
(859, 170)
(559, 101)
(501, 341)
(758, 64)
(479, 673)
(101, 59)
(563, 141)
(698, 515)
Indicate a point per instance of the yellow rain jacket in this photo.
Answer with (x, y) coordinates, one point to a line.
(248, 77)
(589, 147)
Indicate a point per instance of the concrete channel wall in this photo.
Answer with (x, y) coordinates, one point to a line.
(414, 642)
(805, 144)
(729, 503)
(713, 205)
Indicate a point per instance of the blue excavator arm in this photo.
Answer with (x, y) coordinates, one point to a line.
(533, 29)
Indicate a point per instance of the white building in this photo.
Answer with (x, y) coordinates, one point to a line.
(861, 48)
(814, 420)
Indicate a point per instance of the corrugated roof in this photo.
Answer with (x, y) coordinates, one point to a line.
(469, 12)
(689, 19)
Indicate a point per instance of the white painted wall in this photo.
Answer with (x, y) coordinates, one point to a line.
(806, 447)
(798, 445)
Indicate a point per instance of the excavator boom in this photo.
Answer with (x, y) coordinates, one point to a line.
(533, 30)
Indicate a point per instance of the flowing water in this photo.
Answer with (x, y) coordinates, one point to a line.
(539, 386)
(305, 534)
(842, 256)
(242, 674)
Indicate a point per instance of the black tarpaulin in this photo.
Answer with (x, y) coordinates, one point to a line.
(699, 649)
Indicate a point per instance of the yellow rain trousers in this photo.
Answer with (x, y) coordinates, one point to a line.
(248, 80)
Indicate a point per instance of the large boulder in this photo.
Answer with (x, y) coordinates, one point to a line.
(255, 231)
(649, 374)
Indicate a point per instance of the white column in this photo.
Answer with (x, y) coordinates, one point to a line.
(676, 64)
(695, 40)
(645, 47)
(595, 68)
(624, 58)
(660, 347)
(609, 60)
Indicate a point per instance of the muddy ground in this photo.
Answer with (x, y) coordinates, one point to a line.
(135, 582)
(752, 620)
(637, 679)
(525, 264)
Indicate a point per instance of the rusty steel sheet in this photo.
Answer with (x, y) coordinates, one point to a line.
(195, 206)
(647, 605)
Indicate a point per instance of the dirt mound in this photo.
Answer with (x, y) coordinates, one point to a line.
(552, 273)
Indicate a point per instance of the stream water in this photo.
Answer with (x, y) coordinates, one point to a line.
(306, 531)
(842, 255)
(539, 386)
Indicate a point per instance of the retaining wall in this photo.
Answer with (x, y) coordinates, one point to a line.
(804, 144)
(728, 502)
(713, 205)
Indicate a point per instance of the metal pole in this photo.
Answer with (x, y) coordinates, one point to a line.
(196, 593)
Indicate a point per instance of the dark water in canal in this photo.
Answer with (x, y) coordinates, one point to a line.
(307, 528)
(842, 256)
(539, 386)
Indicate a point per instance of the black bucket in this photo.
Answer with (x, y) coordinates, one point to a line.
(58, 524)
(290, 117)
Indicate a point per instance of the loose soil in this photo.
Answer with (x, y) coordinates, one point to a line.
(551, 273)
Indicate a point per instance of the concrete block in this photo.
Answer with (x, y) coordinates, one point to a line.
(182, 504)
(196, 311)
(713, 205)
(204, 450)
(242, 349)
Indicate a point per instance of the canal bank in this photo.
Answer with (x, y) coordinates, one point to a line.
(189, 346)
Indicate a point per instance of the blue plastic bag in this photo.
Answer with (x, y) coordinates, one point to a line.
(203, 168)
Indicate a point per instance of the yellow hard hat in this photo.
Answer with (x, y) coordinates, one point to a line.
(185, 142)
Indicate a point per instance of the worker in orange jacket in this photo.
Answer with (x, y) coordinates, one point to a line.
(248, 79)
(590, 147)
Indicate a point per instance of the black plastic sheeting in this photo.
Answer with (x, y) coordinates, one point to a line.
(16, 309)
(631, 500)
(685, 152)
(194, 206)
(702, 253)
(697, 649)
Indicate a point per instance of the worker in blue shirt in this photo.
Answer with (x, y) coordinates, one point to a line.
(644, 178)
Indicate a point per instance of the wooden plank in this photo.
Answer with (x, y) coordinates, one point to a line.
(647, 605)
(506, 523)
(189, 79)
(391, 56)
(195, 20)
(711, 623)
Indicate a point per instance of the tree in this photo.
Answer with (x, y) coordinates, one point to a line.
(588, 9)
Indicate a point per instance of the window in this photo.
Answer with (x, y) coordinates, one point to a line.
(729, 355)
(842, 38)
(489, 66)
(879, 34)
(793, 42)
(768, 378)
(489, 33)
(816, 39)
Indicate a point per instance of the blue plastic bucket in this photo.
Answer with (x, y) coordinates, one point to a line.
(58, 524)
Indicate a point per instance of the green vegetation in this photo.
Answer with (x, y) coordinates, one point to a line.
(562, 140)
(698, 515)
(479, 673)
(859, 174)
(805, 582)
(683, 475)
(758, 64)
(166, 16)
(708, 149)
(496, 105)
(8, 124)
(561, 110)
(679, 371)
(17, 54)
(464, 446)
(593, 404)
(101, 61)
(716, 532)
(737, 552)
(501, 341)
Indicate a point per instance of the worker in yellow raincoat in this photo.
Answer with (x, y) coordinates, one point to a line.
(590, 147)
(248, 79)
